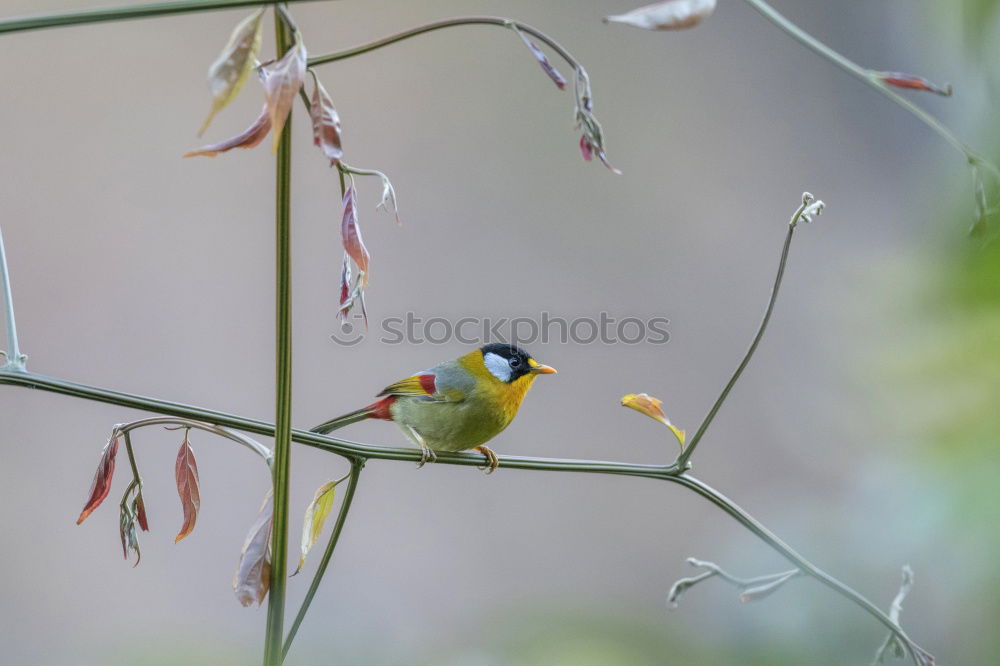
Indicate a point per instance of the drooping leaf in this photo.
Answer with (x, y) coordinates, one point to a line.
(345, 286)
(186, 475)
(540, 56)
(326, 124)
(910, 82)
(140, 512)
(650, 406)
(669, 15)
(249, 138)
(350, 234)
(282, 80)
(316, 514)
(126, 529)
(230, 70)
(253, 575)
(101, 485)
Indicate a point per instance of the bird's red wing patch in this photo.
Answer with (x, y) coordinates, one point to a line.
(419, 386)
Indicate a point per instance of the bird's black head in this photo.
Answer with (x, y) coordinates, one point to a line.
(507, 362)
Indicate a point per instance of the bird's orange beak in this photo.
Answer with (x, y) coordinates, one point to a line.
(539, 369)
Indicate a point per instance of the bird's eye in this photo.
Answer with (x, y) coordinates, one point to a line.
(514, 362)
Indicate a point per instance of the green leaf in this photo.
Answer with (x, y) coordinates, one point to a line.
(316, 514)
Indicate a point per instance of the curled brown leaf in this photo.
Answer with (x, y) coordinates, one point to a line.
(542, 59)
(253, 575)
(350, 233)
(101, 485)
(249, 138)
(326, 123)
(186, 475)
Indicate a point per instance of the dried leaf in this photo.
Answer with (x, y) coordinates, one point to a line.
(126, 529)
(351, 234)
(229, 72)
(253, 575)
(326, 124)
(186, 474)
(669, 15)
(101, 485)
(547, 67)
(901, 80)
(345, 286)
(316, 515)
(650, 406)
(282, 81)
(585, 148)
(249, 138)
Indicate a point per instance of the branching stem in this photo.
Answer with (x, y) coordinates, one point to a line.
(871, 77)
(239, 438)
(357, 464)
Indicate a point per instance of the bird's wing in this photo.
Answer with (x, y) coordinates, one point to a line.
(429, 384)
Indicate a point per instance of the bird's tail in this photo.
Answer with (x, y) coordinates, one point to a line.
(376, 410)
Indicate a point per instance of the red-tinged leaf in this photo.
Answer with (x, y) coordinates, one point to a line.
(326, 124)
(186, 474)
(547, 67)
(249, 138)
(140, 510)
(585, 148)
(669, 15)
(901, 80)
(101, 485)
(350, 234)
(282, 81)
(253, 575)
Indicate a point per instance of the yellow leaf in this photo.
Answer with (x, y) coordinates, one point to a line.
(316, 514)
(650, 406)
(229, 72)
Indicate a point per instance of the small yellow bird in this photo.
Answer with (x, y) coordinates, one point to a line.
(457, 405)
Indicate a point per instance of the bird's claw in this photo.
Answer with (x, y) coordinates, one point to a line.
(492, 461)
(426, 455)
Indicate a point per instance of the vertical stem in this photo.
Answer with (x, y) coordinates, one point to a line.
(282, 383)
(15, 360)
(357, 465)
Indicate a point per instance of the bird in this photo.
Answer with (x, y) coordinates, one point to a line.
(456, 405)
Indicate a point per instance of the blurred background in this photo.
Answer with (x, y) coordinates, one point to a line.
(864, 432)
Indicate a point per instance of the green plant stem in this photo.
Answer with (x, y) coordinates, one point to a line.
(871, 78)
(282, 380)
(447, 23)
(366, 451)
(239, 438)
(15, 359)
(124, 13)
(131, 458)
(357, 464)
(685, 456)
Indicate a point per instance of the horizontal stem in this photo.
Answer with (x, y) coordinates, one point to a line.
(124, 13)
(336, 445)
(447, 23)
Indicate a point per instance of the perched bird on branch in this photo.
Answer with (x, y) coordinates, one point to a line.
(457, 405)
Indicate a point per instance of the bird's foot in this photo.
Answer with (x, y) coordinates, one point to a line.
(492, 462)
(426, 455)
